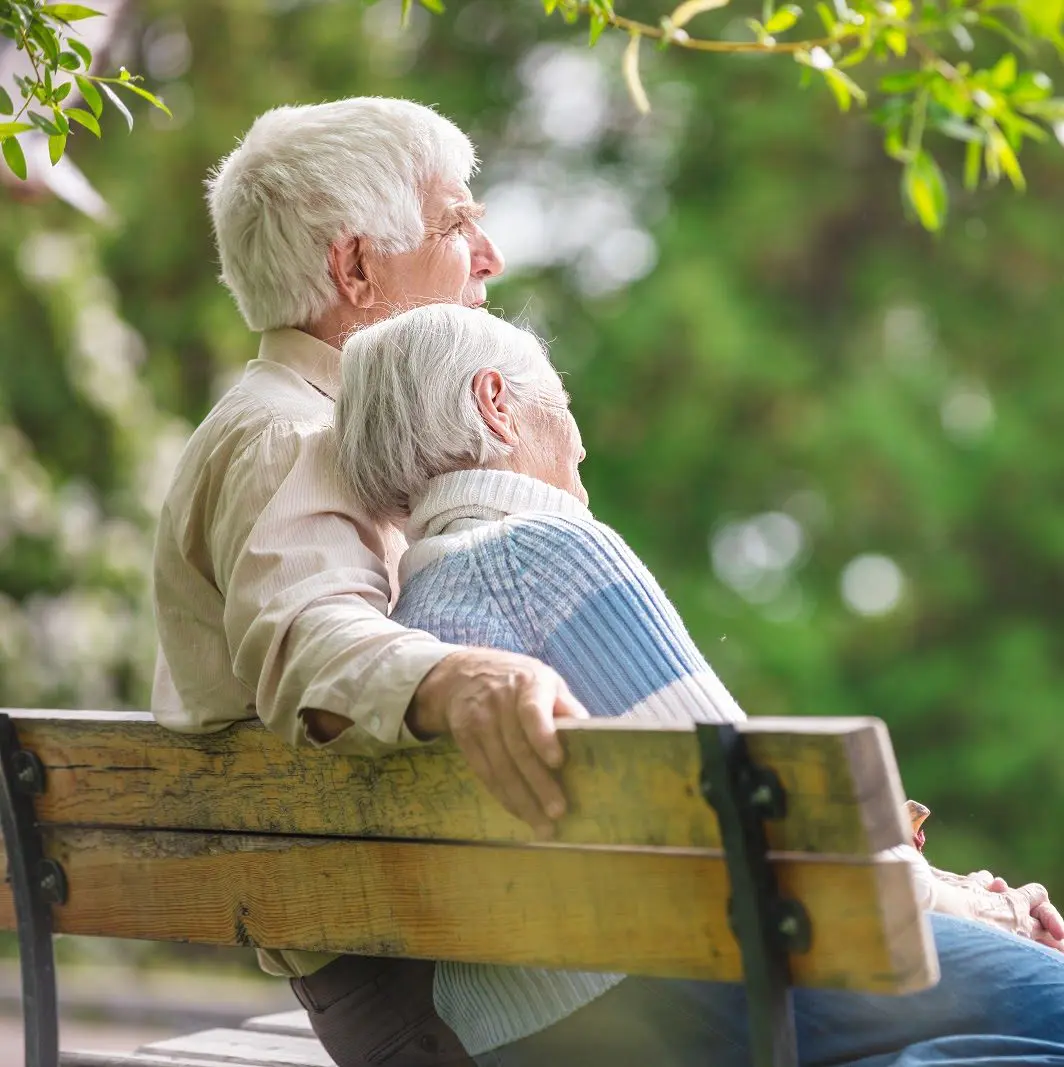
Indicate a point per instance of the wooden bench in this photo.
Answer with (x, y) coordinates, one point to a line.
(115, 827)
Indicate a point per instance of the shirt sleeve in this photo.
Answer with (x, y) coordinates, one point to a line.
(306, 597)
(593, 612)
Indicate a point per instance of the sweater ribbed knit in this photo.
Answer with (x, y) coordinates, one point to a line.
(505, 561)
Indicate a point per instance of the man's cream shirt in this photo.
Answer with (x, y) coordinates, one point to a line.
(271, 590)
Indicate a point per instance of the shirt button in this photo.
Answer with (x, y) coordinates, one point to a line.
(374, 721)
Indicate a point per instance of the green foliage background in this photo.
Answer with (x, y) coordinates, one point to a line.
(797, 350)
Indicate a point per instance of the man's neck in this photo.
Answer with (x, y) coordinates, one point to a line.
(336, 325)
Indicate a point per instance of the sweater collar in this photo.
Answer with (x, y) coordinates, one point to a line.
(486, 495)
(313, 360)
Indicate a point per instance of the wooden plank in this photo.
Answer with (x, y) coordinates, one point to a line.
(655, 912)
(295, 1022)
(243, 1047)
(141, 1059)
(627, 784)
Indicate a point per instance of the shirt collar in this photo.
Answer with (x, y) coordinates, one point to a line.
(485, 495)
(313, 360)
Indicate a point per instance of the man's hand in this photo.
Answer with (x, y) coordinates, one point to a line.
(1042, 921)
(500, 709)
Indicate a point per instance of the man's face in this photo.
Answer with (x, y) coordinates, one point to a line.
(451, 265)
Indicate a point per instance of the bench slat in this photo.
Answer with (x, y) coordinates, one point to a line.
(151, 1059)
(628, 784)
(656, 912)
(281, 1022)
(244, 1047)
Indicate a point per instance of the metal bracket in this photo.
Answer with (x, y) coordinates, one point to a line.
(767, 926)
(36, 884)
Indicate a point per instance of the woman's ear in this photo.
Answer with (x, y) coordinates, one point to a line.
(495, 404)
(348, 271)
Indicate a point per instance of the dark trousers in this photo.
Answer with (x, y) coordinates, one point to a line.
(368, 1010)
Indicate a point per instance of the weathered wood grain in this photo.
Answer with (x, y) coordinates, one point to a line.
(627, 784)
(152, 1059)
(655, 912)
(243, 1047)
(296, 1023)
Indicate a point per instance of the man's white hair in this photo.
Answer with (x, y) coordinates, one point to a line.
(304, 177)
(406, 412)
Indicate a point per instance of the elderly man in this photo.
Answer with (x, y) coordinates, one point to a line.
(479, 456)
(271, 590)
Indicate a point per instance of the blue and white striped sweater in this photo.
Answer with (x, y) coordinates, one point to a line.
(511, 563)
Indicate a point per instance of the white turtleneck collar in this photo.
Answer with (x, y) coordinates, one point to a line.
(484, 495)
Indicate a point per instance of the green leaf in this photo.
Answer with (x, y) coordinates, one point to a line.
(973, 165)
(56, 148)
(435, 6)
(69, 60)
(6, 105)
(14, 157)
(81, 50)
(91, 94)
(783, 19)
(48, 41)
(84, 118)
(896, 41)
(43, 124)
(9, 129)
(1043, 16)
(152, 99)
(1006, 157)
(70, 12)
(598, 24)
(827, 16)
(122, 109)
(844, 88)
(404, 17)
(630, 69)
(960, 131)
(1003, 75)
(925, 190)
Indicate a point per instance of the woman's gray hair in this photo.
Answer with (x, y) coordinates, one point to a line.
(406, 411)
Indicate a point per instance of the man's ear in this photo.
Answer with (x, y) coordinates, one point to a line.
(495, 404)
(348, 272)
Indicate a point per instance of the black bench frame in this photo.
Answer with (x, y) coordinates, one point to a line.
(744, 795)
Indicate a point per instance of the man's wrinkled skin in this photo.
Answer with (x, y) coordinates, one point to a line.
(984, 897)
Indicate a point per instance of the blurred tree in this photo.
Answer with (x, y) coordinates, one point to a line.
(829, 435)
(991, 109)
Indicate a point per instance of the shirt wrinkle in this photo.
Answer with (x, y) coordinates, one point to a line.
(270, 588)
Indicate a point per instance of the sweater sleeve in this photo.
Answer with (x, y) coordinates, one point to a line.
(590, 609)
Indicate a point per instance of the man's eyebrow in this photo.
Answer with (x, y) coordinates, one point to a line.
(468, 210)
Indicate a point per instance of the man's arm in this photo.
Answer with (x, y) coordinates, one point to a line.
(305, 601)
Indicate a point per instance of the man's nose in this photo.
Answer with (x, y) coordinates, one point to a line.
(487, 261)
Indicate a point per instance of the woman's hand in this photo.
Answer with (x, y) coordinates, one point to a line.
(1047, 924)
(1026, 911)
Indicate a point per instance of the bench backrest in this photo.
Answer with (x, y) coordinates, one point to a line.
(235, 838)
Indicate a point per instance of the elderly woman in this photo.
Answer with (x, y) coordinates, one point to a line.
(454, 423)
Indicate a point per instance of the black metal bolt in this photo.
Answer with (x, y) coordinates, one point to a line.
(761, 796)
(49, 883)
(26, 775)
(788, 926)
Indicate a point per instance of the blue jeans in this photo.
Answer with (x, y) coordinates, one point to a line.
(1000, 1003)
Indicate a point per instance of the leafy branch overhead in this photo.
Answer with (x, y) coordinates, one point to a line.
(61, 93)
(914, 59)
